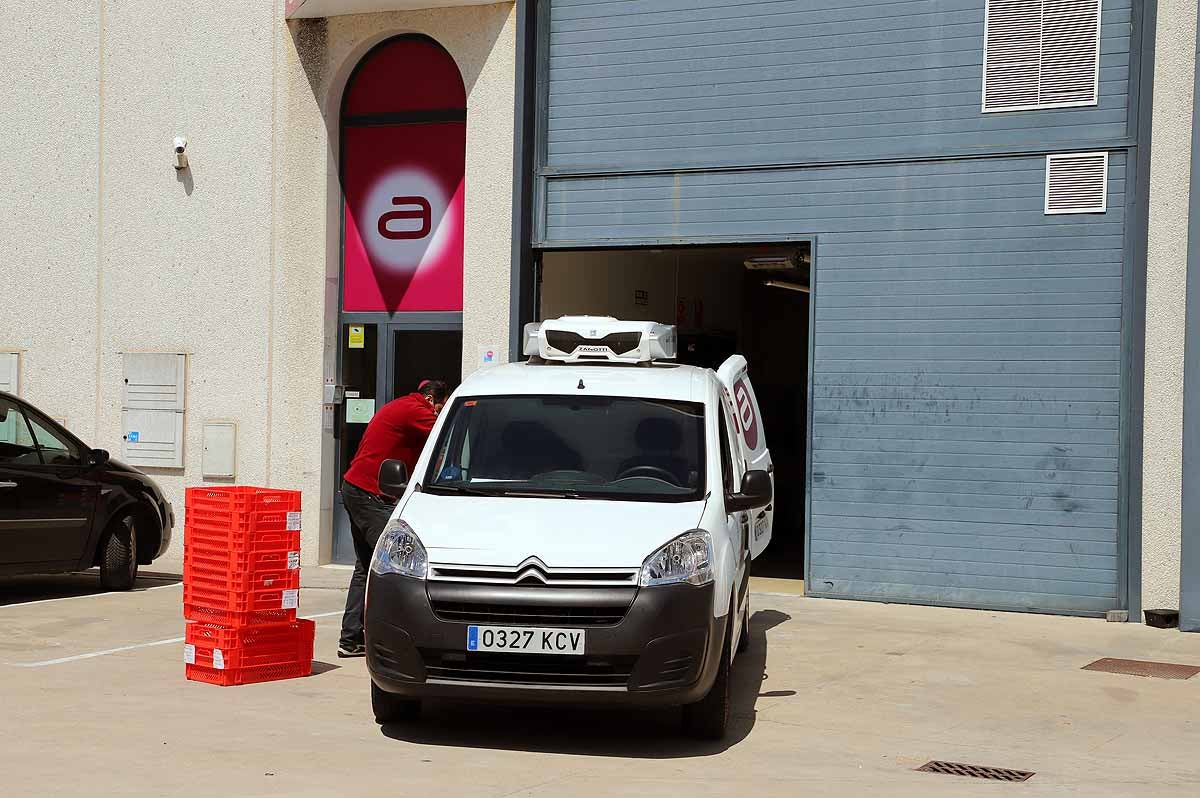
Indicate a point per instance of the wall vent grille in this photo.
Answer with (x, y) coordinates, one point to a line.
(1041, 54)
(1077, 183)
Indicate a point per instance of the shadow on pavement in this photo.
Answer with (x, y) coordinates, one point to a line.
(656, 734)
(319, 667)
(20, 589)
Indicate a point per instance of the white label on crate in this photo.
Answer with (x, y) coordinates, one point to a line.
(291, 599)
(189, 654)
(293, 560)
(218, 659)
(293, 522)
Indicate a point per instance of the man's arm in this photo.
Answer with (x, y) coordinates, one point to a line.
(422, 423)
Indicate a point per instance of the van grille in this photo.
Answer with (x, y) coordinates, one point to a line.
(574, 671)
(526, 604)
(534, 572)
(528, 615)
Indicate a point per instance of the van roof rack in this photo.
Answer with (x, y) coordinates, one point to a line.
(599, 339)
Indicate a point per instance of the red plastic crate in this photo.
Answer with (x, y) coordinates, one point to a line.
(203, 601)
(252, 521)
(198, 573)
(241, 499)
(216, 559)
(261, 673)
(239, 541)
(223, 656)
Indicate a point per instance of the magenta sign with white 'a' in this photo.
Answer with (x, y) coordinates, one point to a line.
(404, 218)
(746, 416)
(403, 163)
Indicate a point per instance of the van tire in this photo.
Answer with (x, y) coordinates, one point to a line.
(391, 708)
(118, 555)
(708, 718)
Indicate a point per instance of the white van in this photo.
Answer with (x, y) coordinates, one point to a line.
(579, 530)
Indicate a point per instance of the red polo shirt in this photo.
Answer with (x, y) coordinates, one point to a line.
(397, 432)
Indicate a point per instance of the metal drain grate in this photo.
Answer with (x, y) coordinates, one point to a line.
(1137, 667)
(974, 771)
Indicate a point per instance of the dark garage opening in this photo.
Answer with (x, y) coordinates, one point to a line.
(750, 300)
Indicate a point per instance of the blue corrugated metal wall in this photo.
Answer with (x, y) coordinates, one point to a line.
(967, 358)
(647, 83)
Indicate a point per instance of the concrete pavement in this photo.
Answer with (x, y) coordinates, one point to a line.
(834, 698)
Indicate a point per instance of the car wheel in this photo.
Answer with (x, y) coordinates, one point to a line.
(744, 640)
(391, 708)
(118, 555)
(708, 718)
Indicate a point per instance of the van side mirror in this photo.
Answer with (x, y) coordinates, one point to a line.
(755, 493)
(393, 478)
(98, 457)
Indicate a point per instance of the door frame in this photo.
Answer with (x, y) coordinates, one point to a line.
(385, 357)
(385, 324)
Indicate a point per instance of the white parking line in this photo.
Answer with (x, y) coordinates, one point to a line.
(91, 595)
(107, 651)
(92, 654)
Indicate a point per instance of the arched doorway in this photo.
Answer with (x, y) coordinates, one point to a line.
(403, 152)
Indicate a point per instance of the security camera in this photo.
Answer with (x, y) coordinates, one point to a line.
(181, 159)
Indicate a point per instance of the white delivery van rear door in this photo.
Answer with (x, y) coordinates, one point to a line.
(733, 375)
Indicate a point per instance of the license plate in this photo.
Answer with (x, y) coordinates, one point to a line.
(524, 640)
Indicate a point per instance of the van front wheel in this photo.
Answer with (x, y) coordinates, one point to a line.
(708, 718)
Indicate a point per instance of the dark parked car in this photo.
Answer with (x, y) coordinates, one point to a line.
(67, 507)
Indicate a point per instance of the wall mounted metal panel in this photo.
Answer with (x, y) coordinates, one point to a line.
(967, 366)
(677, 83)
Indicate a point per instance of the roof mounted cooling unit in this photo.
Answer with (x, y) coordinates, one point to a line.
(592, 339)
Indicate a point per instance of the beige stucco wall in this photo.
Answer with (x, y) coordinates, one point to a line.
(482, 40)
(1166, 270)
(315, 60)
(186, 257)
(49, 154)
(107, 249)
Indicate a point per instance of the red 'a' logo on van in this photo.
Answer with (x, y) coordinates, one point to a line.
(745, 409)
(417, 208)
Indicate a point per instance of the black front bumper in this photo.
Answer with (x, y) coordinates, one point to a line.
(665, 650)
(167, 513)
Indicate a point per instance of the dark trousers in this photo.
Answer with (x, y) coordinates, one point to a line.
(369, 514)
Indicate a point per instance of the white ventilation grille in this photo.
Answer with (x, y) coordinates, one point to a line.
(1041, 54)
(1077, 183)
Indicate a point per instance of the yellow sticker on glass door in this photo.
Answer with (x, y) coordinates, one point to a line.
(358, 337)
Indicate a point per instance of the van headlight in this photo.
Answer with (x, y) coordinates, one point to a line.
(687, 558)
(400, 551)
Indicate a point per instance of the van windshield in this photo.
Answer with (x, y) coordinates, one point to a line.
(620, 448)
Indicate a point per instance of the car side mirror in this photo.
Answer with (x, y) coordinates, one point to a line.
(755, 493)
(393, 478)
(99, 457)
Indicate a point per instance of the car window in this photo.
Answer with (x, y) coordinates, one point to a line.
(56, 450)
(726, 457)
(623, 448)
(17, 446)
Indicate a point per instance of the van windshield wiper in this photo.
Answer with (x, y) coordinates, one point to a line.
(461, 490)
(544, 494)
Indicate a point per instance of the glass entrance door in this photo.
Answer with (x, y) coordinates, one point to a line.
(380, 362)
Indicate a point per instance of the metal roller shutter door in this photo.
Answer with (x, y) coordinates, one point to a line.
(967, 360)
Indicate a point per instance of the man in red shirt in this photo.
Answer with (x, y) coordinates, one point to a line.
(397, 432)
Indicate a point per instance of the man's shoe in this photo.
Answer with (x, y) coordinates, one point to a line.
(348, 650)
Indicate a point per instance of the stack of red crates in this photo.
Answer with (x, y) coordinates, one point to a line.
(241, 586)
